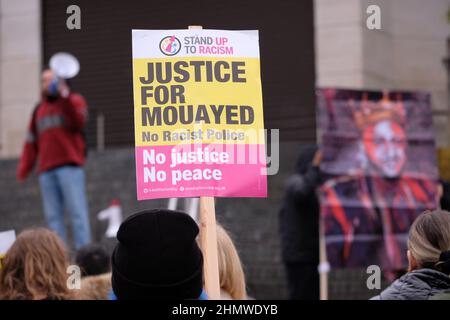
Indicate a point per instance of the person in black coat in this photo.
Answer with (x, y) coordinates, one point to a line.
(299, 227)
(445, 194)
(428, 258)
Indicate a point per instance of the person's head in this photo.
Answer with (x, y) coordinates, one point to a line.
(385, 145)
(231, 274)
(47, 77)
(157, 257)
(35, 267)
(93, 259)
(305, 158)
(429, 241)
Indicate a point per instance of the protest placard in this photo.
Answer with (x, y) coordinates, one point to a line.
(380, 172)
(198, 114)
(7, 238)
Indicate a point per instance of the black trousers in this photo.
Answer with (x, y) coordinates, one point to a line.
(303, 281)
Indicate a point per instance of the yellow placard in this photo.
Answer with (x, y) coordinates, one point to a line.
(201, 109)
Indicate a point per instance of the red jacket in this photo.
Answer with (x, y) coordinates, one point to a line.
(55, 135)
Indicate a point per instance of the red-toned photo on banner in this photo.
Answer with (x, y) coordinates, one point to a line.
(380, 172)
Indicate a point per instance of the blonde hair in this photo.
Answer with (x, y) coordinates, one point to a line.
(231, 274)
(429, 236)
(95, 287)
(34, 268)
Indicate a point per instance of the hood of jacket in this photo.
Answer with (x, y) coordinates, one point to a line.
(419, 284)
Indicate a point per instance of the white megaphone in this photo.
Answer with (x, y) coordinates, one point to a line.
(64, 65)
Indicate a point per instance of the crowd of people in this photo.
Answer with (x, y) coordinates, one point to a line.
(157, 256)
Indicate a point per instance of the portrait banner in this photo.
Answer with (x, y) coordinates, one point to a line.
(379, 171)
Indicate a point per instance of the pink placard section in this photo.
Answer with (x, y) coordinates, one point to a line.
(194, 170)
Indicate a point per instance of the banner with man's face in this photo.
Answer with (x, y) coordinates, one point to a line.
(380, 172)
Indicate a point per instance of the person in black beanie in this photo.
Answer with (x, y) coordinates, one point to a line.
(157, 257)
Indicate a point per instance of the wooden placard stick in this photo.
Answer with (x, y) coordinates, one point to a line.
(324, 267)
(208, 242)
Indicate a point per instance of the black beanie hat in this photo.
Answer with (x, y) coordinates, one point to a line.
(157, 257)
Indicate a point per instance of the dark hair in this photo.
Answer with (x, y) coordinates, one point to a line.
(305, 158)
(93, 259)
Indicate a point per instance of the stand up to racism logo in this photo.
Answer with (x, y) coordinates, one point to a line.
(170, 45)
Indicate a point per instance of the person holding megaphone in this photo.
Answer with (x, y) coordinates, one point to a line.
(56, 141)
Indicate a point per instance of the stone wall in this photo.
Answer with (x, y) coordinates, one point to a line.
(20, 64)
